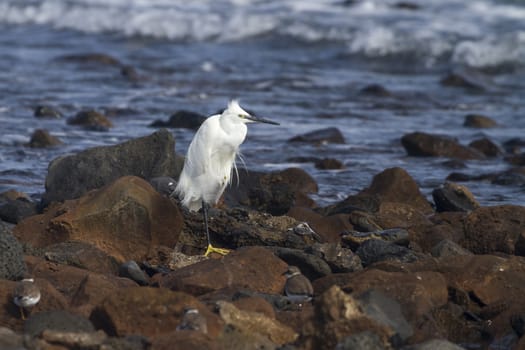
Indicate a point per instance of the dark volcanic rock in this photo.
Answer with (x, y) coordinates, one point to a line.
(130, 269)
(468, 79)
(310, 265)
(479, 121)
(375, 90)
(12, 265)
(58, 320)
(321, 136)
(47, 112)
(91, 120)
(164, 184)
(82, 255)
(91, 58)
(421, 144)
(181, 119)
(15, 210)
(454, 197)
(362, 340)
(329, 164)
(338, 258)
(487, 147)
(71, 176)
(375, 250)
(447, 248)
(42, 138)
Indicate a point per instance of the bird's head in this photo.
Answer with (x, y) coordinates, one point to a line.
(234, 110)
(292, 271)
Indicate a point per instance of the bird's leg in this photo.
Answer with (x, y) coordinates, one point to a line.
(210, 249)
(22, 313)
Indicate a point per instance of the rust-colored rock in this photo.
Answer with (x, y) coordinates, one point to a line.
(148, 311)
(396, 185)
(495, 229)
(253, 268)
(126, 219)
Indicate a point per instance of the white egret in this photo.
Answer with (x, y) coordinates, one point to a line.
(210, 161)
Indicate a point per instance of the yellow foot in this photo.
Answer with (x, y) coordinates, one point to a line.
(212, 249)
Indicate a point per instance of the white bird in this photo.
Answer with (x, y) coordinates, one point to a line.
(210, 161)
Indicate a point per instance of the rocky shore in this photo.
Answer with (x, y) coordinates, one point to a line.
(119, 263)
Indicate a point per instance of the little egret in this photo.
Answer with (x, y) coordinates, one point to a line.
(210, 161)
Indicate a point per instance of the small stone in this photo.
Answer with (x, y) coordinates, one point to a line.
(91, 120)
(479, 121)
(447, 248)
(47, 112)
(375, 250)
(421, 144)
(164, 184)
(487, 147)
(321, 136)
(130, 269)
(42, 138)
(329, 164)
(376, 90)
(57, 320)
(454, 197)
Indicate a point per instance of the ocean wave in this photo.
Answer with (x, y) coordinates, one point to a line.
(469, 32)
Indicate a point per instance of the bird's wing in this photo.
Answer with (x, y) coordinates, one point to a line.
(200, 149)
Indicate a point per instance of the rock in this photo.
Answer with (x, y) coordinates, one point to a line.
(453, 197)
(375, 90)
(517, 159)
(254, 304)
(235, 339)
(514, 145)
(127, 219)
(165, 185)
(91, 58)
(487, 147)
(252, 268)
(57, 320)
(91, 120)
(421, 144)
(397, 186)
(130, 73)
(354, 239)
(47, 112)
(184, 340)
(254, 322)
(321, 136)
(375, 250)
(338, 258)
(435, 344)
(479, 121)
(82, 255)
(72, 340)
(15, 210)
(406, 5)
(71, 176)
(468, 79)
(9, 340)
(495, 229)
(41, 138)
(447, 248)
(363, 340)
(385, 311)
(310, 265)
(12, 265)
(181, 119)
(329, 164)
(274, 193)
(148, 311)
(130, 269)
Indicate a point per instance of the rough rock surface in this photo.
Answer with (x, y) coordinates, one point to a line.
(12, 266)
(427, 145)
(147, 157)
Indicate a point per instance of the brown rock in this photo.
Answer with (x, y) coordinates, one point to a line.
(321, 136)
(148, 311)
(255, 304)
(328, 227)
(252, 268)
(479, 121)
(184, 340)
(421, 144)
(42, 138)
(91, 120)
(400, 215)
(396, 185)
(495, 229)
(125, 219)
(487, 147)
(329, 164)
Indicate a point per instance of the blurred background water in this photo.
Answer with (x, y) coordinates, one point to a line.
(303, 63)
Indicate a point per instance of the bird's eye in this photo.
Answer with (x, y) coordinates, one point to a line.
(242, 116)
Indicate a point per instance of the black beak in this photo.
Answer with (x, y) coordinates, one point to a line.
(261, 120)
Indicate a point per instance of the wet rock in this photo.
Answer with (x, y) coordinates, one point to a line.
(321, 136)
(447, 248)
(375, 90)
(363, 340)
(396, 185)
(57, 320)
(148, 311)
(130, 269)
(406, 5)
(375, 250)
(310, 265)
(47, 112)
(511, 177)
(453, 197)
(126, 219)
(517, 159)
(361, 202)
(514, 145)
(422, 144)
(329, 228)
(41, 138)
(12, 265)
(91, 58)
(165, 185)
(252, 268)
(91, 120)
(15, 210)
(495, 229)
(468, 79)
(181, 119)
(338, 258)
(71, 176)
(329, 164)
(82, 255)
(479, 121)
(254, 322)
(434, 344)
(386, 311)
(130, 73)
(487, 147)
(274, 193)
